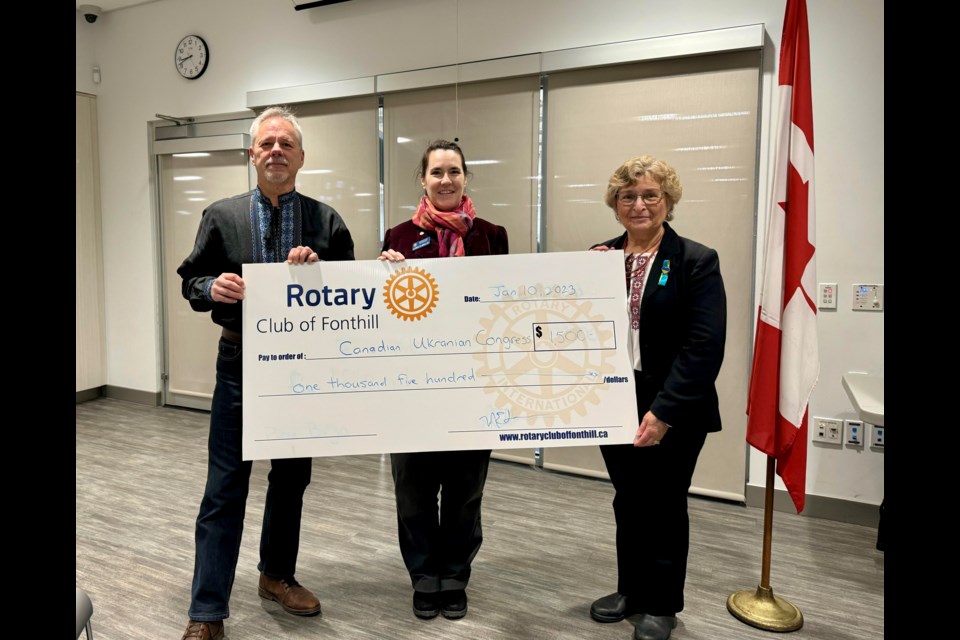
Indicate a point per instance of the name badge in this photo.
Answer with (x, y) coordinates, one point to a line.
(421, 243)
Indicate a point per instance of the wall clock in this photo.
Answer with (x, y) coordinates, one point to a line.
(192, 57)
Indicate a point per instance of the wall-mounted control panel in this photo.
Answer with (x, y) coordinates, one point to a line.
(867, 297)
(827, 295)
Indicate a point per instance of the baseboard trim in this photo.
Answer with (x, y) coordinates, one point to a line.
(835, 509)
(577, 471)
(149, 398)
(860, 513)
(89, 394)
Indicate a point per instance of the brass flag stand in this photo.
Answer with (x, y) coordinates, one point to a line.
(786, 332)
(761, 608)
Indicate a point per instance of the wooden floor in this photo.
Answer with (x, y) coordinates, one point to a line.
(548, 550)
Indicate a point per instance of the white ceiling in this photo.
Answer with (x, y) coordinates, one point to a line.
(110, 5)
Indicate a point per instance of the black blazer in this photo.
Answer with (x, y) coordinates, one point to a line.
(483, 239)
(683, 327)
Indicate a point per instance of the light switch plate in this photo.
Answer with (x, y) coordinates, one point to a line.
(827, 295)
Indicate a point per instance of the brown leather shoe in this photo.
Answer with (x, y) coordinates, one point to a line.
(293, 597)
(203, 631)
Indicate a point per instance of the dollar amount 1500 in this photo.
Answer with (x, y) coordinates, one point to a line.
(565, 335)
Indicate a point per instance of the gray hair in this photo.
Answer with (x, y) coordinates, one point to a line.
(276, 112)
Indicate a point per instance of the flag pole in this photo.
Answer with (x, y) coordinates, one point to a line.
(786, 364)
(761, 608)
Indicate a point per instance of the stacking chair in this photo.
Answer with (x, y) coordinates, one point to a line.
(84, 612)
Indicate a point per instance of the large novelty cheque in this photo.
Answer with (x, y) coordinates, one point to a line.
(484, 352)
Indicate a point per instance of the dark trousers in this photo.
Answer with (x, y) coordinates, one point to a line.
(438, 545)
(220, 522)
(653, 527)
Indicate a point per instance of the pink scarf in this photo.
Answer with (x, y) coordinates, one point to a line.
(451, 226)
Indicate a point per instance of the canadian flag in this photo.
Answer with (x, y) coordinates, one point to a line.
(786, 363)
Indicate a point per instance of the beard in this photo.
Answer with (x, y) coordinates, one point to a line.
(277, 174)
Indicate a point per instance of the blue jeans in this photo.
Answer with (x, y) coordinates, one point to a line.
(220, 522)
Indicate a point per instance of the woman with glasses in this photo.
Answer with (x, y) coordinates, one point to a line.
(440, 537)
(677, 316)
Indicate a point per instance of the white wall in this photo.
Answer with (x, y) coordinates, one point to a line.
(87, 35)
(262, 45)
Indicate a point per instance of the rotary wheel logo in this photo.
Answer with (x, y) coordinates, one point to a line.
(411, 293)
(550, 384)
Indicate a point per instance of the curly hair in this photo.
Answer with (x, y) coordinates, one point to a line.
(635, 168)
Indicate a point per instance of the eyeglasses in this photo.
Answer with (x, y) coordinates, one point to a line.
(649, 198)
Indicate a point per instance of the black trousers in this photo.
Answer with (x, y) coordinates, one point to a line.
(653, 527)
(439, 537)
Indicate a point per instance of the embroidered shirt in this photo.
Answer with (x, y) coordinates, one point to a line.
(637, 269)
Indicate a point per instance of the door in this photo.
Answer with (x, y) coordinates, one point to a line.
(188, 182)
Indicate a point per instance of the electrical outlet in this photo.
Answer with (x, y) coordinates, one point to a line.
(853, 433)
(876, 437)
(827, 430)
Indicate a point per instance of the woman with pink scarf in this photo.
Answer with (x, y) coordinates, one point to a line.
(439, 538)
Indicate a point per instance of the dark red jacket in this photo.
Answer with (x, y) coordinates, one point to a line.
(484, 239)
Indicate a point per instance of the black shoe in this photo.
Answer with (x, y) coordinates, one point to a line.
(426, 605)
(654, 627)
(453, 604)
(611, 608)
